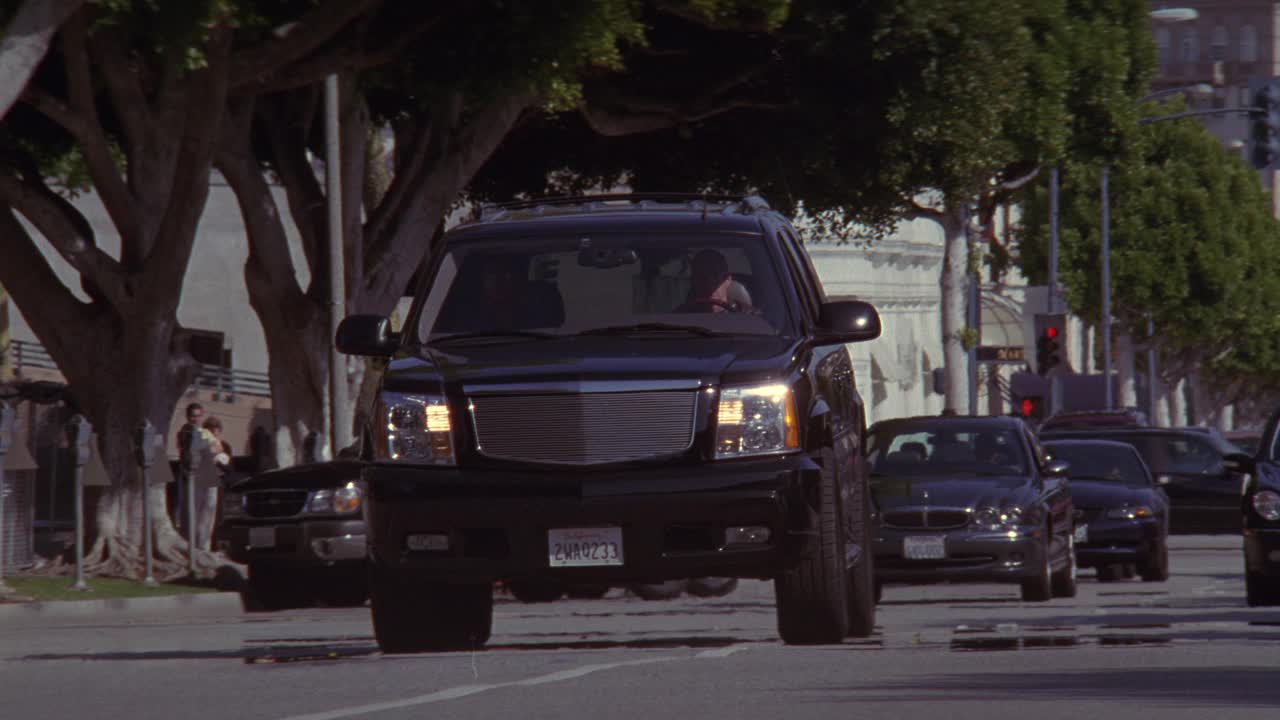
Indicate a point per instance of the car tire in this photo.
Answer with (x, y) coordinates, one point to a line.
(669, 590)
(1156, 568)
(1065, 582)
(879, 591)
(712, 587)
(1110, 572)
(1261, 590)
(274, 588)
(587, 592)
(536, 591)
(411, 616)
(1129, 571)
(812, 597)
(1040, 587)
(862, 592)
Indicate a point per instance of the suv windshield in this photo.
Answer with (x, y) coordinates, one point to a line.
(604, 284)
(906, 450)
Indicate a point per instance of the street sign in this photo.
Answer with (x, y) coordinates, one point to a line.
(1011, 354)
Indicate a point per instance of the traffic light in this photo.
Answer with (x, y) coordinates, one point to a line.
(1051, 337)
(1030, 407)
(1264, 136)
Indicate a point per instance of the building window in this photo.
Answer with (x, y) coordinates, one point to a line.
(1218, 45)
(1164, 46)
(1190, 46)
(1246, 98)
(1248, 44)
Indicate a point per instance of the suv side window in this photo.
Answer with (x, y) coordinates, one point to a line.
(809, 294)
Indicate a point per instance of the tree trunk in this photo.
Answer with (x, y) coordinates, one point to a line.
(952, 283)
(1127, 375)
(1177, 402)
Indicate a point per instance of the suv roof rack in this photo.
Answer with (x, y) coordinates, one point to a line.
(741, 204)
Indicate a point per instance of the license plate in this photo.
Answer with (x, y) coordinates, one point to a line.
(581, 547)
(262, 537)
(1082, 534)
(925, 547)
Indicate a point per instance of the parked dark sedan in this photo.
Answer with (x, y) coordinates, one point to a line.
(972, 500)
(1122, 515)
(301, 531)
(1261, 518)
(1202, 474)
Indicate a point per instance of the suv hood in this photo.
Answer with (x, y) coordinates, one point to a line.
(579, 359)
(315, 476)
(971, 492)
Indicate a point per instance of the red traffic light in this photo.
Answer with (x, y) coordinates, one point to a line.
(1051, 332)
(1028, 407)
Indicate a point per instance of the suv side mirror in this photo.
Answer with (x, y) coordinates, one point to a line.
(848, 321)
(369, 335)
(1238, 462)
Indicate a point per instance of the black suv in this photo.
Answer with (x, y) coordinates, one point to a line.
(616, 389)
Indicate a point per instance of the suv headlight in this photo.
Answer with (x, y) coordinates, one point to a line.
(756, 420)
(1267, 504)
(345, 499)
(414, 429)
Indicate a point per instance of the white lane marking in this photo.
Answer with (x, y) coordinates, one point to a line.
(465, 690)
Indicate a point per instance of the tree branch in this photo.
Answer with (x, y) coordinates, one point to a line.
(916, 211)
(257, 65)
(123, 82)
(25, 41)
(288, 128)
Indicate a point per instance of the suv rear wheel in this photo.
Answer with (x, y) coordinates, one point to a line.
(1261, 590)
(864, 591)
(412, 615)
(813, 596)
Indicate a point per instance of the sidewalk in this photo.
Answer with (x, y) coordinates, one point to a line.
(212, 604)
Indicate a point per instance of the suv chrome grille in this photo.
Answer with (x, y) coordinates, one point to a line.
(274, 503)
(584, 428)
(934, 518)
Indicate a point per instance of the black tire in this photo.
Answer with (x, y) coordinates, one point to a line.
(536, 591)
(1156, 567)
(812, 597)
(1129, 571)
(863, 592)
(1110, 573)
(274, 588)
(712, 587)
(1261, 590)
(669, 590)
(1064, 581)
(879, 591)
(587, 592)
(1040, 587)
(344, 587)
(411, 616)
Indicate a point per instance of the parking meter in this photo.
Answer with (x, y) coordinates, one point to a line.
(192, 450)
(79, 434)
(144, 450)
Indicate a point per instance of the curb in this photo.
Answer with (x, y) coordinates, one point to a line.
(205, 605)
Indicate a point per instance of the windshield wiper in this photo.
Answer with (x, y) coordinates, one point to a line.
(650, 327)
(479, 334)
(1099, 478)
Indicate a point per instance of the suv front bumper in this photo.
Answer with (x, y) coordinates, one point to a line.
(672, 519)
(296, 543)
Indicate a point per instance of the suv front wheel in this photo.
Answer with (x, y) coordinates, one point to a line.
(812, 596)
(411, 615)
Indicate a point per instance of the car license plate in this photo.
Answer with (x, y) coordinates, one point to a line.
(924, 547)
(1082, 534)
(262, 537)
(580, 547)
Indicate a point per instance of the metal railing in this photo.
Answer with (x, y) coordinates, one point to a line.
(225, 383)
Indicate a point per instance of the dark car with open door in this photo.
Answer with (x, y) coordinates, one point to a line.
(1260, 511)
(970, 499)
(1122, 515)
(1203, 474)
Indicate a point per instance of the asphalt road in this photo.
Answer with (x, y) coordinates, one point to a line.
(1188, 648)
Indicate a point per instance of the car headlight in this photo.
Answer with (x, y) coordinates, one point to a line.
(345, 499)
(1130, 512)
(756, 420)
(1010, 517)
(414, 429)
(232, 505)
(1267, 504)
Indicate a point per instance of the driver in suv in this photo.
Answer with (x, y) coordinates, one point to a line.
(638, 417)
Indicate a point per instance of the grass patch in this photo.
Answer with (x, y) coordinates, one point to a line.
(40, 589)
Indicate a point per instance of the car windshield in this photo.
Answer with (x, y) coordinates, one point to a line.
(617, 283)
(1101, 462)
(924, 448)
